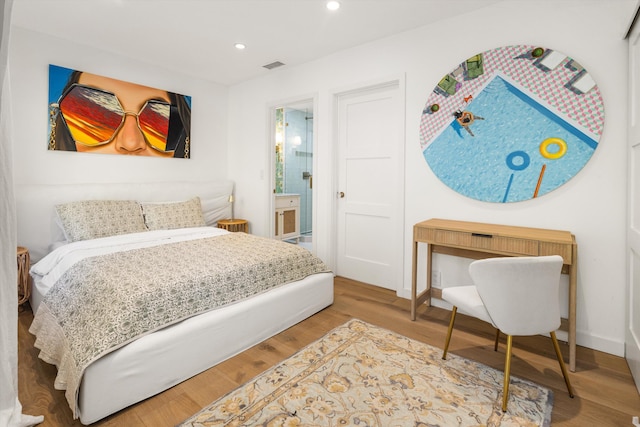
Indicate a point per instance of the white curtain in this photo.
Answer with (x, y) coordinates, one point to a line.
(10, 407)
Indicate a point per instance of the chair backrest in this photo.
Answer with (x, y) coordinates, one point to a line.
(521, 294)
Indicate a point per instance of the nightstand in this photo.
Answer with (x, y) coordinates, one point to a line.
(24, 286)
(234, 225)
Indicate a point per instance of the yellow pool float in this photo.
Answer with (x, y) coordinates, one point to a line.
(562, 148)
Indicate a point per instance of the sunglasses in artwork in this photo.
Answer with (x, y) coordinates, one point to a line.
(93, 117)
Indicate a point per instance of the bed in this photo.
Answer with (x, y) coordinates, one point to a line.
(144, 364)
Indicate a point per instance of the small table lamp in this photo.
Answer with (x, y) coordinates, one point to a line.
(233, 224)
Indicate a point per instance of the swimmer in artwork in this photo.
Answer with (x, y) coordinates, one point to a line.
(466, 119)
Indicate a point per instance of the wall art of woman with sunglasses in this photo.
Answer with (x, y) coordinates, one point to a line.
(103, 115)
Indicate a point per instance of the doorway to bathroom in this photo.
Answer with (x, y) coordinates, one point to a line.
(293, 173)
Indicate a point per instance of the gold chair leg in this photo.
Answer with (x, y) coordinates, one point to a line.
(454, 310)
(495, 345)
(507, 374)
(563, 368)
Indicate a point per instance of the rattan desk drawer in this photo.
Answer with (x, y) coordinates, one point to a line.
(486, 242)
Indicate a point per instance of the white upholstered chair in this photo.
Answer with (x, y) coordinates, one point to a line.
(518, 296)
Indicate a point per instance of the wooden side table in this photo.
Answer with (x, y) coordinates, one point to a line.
(24, 285)
(234, 225)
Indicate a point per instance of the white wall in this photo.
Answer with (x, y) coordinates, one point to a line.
(29, 57)
(231, 140)
(591, 205)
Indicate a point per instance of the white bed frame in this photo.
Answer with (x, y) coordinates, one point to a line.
(160, 360)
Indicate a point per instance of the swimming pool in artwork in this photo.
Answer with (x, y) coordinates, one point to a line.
(521, 150)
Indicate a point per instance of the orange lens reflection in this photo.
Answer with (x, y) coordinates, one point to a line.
(153, 121)
(92, 116)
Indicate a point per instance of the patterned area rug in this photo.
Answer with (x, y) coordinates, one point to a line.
(362, 375)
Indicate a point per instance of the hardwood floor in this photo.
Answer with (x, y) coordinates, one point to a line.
(605, 391)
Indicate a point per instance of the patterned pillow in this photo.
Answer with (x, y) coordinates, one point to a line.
(167, 216)
(92, 219)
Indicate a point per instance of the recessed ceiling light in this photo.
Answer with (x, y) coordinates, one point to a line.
(333, 5)
(240, 46)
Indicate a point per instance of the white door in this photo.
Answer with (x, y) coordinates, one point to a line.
(370, 193)
(632, 338)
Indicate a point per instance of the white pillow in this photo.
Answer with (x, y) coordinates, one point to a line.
(92, 219)
(170, 215)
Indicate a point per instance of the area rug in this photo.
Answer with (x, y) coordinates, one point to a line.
(362, 375)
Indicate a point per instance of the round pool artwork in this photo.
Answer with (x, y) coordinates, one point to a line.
(512, 123)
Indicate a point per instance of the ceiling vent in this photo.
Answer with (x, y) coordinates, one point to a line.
(273, 65)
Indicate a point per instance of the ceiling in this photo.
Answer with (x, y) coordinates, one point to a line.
(197, 37)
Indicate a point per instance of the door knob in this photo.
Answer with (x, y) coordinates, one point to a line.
(341, 194)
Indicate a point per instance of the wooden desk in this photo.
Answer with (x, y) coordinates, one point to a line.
(477, 241)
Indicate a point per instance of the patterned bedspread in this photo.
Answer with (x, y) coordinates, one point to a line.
(103, 302)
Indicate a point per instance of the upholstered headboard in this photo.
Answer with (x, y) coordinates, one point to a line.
(35, 204)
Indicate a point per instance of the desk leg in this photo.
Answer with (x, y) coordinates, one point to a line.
(414, 278)
(425, 296)
(573, 279)
(429, 275)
